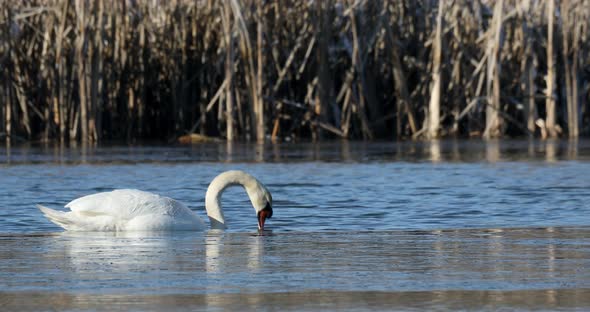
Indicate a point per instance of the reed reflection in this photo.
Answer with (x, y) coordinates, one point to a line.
(551, 148)
(8, 150)
(276, 152)
(345, 153)
(435, 151)
(230, 152)
(572, 149)
(259, 151)
(492, 150)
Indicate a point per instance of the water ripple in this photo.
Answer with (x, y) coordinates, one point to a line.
(323, 196)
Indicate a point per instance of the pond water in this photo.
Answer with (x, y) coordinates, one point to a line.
(356, 226)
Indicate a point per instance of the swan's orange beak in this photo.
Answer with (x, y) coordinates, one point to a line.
(264, 214)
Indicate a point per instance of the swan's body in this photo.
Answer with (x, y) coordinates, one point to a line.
(134, 210)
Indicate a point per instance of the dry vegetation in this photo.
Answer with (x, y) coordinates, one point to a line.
(252, 69)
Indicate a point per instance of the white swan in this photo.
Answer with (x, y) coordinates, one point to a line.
(134, 210)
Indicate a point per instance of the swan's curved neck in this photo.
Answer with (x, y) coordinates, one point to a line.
(216, 188)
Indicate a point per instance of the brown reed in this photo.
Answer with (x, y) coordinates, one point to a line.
(255, 69)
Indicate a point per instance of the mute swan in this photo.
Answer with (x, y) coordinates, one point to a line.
(134, 210)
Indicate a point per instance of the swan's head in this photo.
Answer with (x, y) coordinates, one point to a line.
(258, 193)
(262, 202)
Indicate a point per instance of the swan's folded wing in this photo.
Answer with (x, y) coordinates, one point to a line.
(118, 203)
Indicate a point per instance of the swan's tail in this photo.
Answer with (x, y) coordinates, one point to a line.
(58, 217)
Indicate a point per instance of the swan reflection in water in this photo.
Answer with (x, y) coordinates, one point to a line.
(223, 257)
(230, 270)
(196, 261)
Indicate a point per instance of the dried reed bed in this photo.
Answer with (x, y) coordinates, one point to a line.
(254, 69)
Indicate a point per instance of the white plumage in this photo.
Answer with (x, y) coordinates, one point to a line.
(135, 210)
(125, 210)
